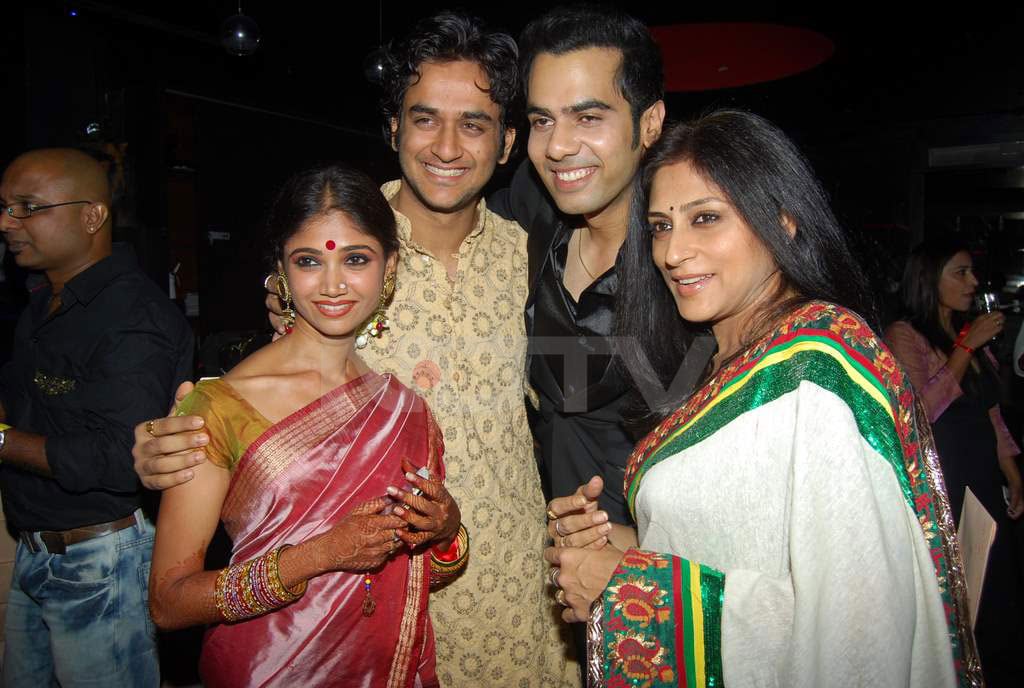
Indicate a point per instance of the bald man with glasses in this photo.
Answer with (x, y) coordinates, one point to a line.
(98, 349)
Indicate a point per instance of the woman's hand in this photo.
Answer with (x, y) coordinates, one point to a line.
(434, 515)
(1013, 481)
(363, 540)
(984, 328)
(582, 575)
(576, 521)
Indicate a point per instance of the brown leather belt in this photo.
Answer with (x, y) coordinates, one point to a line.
(58, 541)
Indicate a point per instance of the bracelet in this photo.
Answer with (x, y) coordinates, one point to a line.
(960, 337)
(274, 578)
(960, 345)
(448, 563)
(253, 587)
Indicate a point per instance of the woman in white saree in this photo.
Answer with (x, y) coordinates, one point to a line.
(792, 525)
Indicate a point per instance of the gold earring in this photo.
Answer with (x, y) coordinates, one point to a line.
(387, 290)
(378, 322)
(285, 294)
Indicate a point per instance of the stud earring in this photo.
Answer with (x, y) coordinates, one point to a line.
(285, 294)
(378, 322)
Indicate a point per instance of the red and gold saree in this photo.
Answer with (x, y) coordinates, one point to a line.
(295, 480)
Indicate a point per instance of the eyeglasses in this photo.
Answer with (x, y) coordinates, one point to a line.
(22, 210)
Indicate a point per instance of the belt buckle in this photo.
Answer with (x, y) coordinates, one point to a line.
(53, 541)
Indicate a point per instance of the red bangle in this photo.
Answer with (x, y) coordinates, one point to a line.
(450, 554)
(961, 336)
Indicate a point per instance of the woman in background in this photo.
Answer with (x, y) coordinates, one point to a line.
(956, 377)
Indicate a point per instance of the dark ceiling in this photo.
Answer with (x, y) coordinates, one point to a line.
(892, 62)
(905, 80)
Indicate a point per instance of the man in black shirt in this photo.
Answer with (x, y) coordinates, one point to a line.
(592, 79)
(593, 85)
(98, 349)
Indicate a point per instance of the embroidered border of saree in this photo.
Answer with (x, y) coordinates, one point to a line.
(833, 348)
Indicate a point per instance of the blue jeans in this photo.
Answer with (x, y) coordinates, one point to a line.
(82, 618)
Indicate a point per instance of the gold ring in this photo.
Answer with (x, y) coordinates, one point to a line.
(149, 427)
(552, 516)
(560, 598)
(553, 577)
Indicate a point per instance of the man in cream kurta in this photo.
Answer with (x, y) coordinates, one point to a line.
(461, 345)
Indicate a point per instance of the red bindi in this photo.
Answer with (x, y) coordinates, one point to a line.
(330, 245)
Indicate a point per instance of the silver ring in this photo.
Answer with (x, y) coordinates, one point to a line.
(553, 577)
(560, 598)
(558, 528)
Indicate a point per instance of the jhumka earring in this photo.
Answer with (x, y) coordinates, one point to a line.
(285, 294)
(378, 322)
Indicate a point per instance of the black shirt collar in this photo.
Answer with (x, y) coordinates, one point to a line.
(606, 284)
(91, 281)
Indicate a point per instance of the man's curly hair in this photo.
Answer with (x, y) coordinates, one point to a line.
(449, 37)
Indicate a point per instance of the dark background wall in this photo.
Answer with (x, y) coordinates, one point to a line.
(206, 136)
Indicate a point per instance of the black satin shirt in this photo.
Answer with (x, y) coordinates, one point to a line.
(578, 428)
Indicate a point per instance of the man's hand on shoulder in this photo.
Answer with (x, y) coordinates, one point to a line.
(166, 449)
(275, 310)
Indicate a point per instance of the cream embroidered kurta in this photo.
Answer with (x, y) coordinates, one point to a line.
(462, 346)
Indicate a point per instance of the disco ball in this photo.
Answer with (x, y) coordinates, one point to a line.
(240, 35)
(373, 66)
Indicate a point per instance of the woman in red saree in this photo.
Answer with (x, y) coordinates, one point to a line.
(329, 578)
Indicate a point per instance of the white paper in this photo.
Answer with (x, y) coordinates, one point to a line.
(977, 532)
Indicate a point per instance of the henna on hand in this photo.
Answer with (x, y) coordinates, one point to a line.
(434, 514)
(363, 540)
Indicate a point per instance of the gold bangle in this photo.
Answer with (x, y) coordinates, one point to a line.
(246, 590)
(218, 594)
(274, 578)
